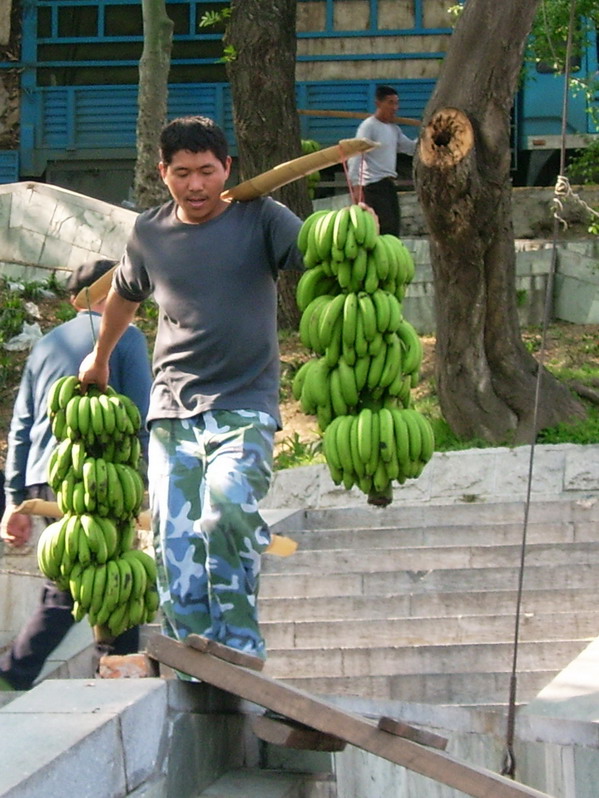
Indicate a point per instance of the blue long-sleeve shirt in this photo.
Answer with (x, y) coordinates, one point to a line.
(57, 354)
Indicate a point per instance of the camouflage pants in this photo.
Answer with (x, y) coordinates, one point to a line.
(206, 476)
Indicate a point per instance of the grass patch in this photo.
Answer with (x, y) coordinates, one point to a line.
(295, 452)
(584, 431)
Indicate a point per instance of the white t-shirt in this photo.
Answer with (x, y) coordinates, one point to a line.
(369, 167)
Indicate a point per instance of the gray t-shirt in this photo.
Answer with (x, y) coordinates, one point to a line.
(215, 284)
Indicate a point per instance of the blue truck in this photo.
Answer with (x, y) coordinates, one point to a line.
(78, 70)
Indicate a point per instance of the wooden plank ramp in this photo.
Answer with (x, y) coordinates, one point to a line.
(329, 719)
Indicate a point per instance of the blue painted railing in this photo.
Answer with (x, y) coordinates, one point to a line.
(80, 122)
(9, 166)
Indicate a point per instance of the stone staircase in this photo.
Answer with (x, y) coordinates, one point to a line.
(417, 603)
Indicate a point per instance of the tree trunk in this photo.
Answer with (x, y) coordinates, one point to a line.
(485, 376)
(262, 77)
(154, 66)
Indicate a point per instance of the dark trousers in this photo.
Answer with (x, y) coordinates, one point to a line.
(47, 627)
(42, 633)
(382, 198)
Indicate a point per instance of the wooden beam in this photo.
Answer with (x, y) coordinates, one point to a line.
(398, 120)
(325, 717)
(421, 736)
(289, 734)
(279, 545)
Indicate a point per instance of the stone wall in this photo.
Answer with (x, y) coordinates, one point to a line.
(532, 212)
(45, 229)
(157, 738)
(566, 471)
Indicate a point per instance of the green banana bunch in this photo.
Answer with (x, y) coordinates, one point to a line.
(308, 146)
(118, 594)
(373, 448)
(115, 586)
(368, 356)
(94, 471)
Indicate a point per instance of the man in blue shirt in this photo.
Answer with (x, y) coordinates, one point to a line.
(30, 443)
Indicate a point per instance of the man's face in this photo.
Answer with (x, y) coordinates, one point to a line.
(195, 181)
(386, 109)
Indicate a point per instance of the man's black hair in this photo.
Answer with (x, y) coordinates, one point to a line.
(195, 134)
(384, 91)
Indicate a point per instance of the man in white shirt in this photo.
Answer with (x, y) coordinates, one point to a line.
(372, 173)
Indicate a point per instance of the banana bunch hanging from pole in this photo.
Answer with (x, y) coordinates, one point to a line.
(367, 355)
(94, 472)
(313, 179)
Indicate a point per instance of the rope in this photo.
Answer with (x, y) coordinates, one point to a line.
(360, 173)
(563, 191)
(509, 762)
(89, 315)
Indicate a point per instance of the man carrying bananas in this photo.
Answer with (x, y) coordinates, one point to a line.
(30, 443)
(212, 268)
(372, 174)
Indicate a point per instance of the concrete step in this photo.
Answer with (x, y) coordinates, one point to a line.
(250, 783)
(444, 535)
(408, 558)
(427, 605)
(389, 660)
(477, 689)
(433, 515)
(416, 631)
(418, 603)
(422, 580)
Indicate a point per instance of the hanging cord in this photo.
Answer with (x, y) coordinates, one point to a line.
(509, 762)
(563, 191)
(89, 315)
(349, 185)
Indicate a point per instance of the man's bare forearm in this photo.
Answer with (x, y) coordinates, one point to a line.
(117, 316)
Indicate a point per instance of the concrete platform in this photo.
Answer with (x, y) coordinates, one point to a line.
(481, 476)
(111, 726)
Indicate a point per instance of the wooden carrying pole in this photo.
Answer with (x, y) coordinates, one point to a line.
(280, 545)
(256, 187)
(398, 120)
(299, 167)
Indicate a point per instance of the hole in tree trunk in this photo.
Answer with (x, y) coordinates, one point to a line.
(446, 139)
